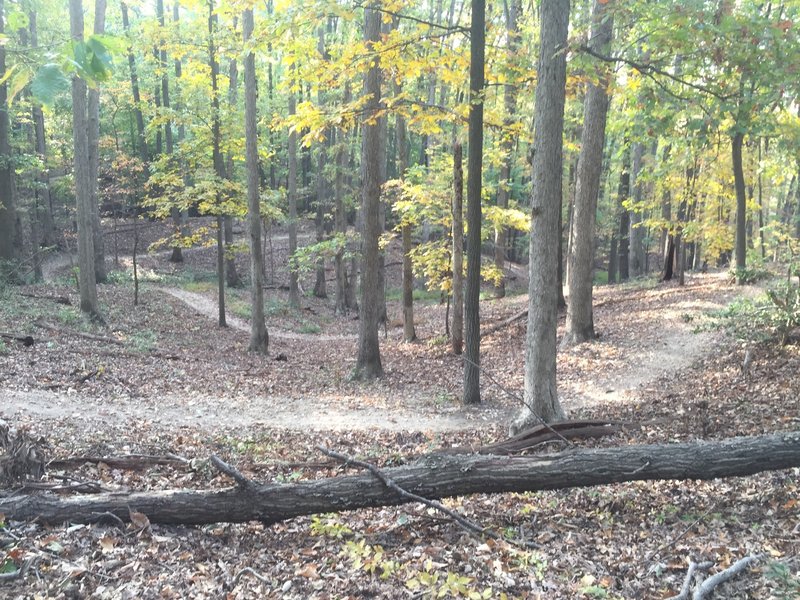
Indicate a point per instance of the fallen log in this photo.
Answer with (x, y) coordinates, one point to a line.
(434, 476)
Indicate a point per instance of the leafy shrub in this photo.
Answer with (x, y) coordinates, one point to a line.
(749, 275)
(771, 317)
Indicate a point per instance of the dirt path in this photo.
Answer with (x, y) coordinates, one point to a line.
(208, 307)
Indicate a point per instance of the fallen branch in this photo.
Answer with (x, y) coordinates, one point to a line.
(528, 439)
(432, 477)
(85, 336)
(57, 299)
(25, 340)
(704, 589)
(127, 462)
(687, 582)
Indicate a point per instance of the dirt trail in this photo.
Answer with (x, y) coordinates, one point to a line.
(208, 307)
(640, 361)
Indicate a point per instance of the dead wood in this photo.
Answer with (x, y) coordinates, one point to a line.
(528, 439)
(72, 332)
(25, 340)
(706, 587)
(432, 477)
(127, 462)
(57, 299)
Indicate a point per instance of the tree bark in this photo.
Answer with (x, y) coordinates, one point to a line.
(232, 277)
(8, 210)
(741, 205)
(100, 273)
(472, 293)
(507, 144)
(432, 477)
(320, 287)
(540, 395)
(409, 333)
(368, 363)
(580, 321)
(624, 215)
(457, 333)
(83, 194)
(259, 338)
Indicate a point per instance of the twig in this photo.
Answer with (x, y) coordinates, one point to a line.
(704, 589)
(231, 472)
(248, 571)
(687, 582)
(467, 524)
(110, 516)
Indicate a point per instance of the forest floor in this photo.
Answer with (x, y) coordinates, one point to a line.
(161, 378)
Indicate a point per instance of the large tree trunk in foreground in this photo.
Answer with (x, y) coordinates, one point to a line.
(541, 399)
(434, 476)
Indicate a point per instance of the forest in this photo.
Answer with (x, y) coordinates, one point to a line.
(392, 299)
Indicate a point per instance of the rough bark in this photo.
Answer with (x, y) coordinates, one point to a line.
(580, 321)
(540, 395)
(320, 288)
(83, 194)
(434, 476)
(259, 338)
(93, 112)
(368, 362)
(741, 205)
(472, 293)
(457, 330)
(507, 143)
(8, 211)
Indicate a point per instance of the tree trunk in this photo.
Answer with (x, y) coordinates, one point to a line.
(137, 99)
(432, 477)
(636, 236)
(8, 210)
(741, 205)
(368, 364)
(507, 144)
(83, 194)
(409, 333)
(457, 339)
(624, 215)
(294, 289)
(259, 339)
(540, 396)
(340, 223)
(100, 272)
(320, 288)
(219, 165)
(472, 293)
(232, 277)
(44, 201)
(580, 322)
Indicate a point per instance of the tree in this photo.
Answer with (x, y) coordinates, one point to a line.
(259, 338)
(8, 211)
(83, 194)
(472, 294)
(94, 156)
(368, 363)
(457, 332)
(294, 291)
(513, 10)
(540, 396)
(580, 322)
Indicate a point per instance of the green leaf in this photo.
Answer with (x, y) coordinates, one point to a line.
(17, 20)
(18, 82)
(48, 82)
